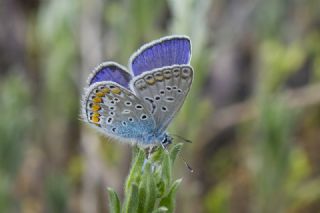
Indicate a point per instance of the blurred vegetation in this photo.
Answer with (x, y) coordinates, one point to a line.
(252, 113)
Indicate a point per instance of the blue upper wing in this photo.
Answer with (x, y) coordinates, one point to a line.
(168, 51)
(110, 71)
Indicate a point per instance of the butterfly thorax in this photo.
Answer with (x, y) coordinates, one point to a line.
(162, 139)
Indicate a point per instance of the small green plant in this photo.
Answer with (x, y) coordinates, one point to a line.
(149, 186)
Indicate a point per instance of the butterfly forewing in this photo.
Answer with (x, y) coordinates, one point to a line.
(116, 111)
(164, 91)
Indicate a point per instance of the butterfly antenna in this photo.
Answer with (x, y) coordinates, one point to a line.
(182, 138)
(187, 165)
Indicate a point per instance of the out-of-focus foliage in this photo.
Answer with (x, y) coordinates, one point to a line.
(252, 113)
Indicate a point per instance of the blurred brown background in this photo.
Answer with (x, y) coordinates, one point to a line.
(253, 112)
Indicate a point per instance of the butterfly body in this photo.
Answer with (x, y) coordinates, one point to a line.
(137, 107)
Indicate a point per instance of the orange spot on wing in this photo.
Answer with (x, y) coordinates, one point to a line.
(116, 90)
(97, 100)
(95, 119)
(105, 90)
(95, 107)
(151, 81)
(100, 94)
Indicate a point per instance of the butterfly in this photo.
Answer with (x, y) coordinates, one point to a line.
(136, 106)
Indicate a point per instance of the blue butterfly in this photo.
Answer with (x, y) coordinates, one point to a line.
(137, 106)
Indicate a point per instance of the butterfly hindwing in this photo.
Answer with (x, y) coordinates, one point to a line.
(164, 91)
(116, 112)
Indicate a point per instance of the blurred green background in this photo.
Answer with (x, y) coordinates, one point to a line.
(253, 112)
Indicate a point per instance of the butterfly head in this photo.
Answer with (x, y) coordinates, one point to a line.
(167, 140)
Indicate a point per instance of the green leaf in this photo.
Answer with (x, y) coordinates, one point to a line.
(131, 200)
(175, 151)
(147, 190)
(160, 209)
(169, 200)
(114, 202)
(136, 168)
(157, 155)
(166, 170)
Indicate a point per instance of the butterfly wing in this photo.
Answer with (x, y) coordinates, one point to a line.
(110, 71)
(164, 91)
(167, 51)
(116, 112)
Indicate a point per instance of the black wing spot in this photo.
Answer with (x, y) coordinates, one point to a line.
(164, 108)
(157, 98)
(151, 102)
(138, 106)
(126, 111)
(168, 88)
(128, 103)
(179, 91)
(130, 119)
(124, 123)
(170, 99)
(148, 99)
(162, 92)
(174, 87)
(143, 117)
(111, 113)
(113, 129)
(111, 108)
(109, 120)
